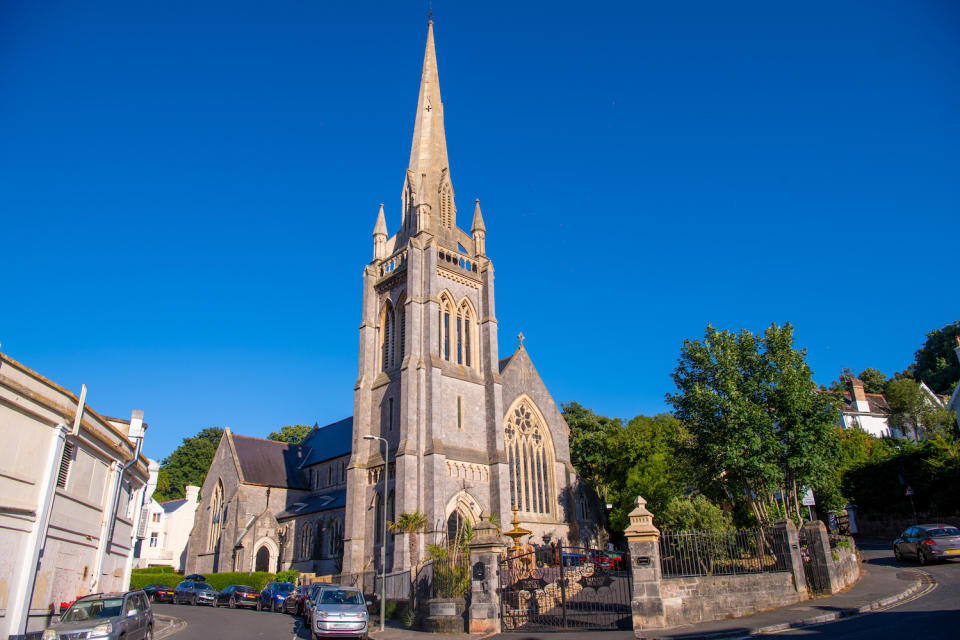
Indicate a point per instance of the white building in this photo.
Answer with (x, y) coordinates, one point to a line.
(166, 530)
(63, 467)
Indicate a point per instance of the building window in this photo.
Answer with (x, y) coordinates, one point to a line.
(156, 517)
(459, 412)
(154, 537)
(401, 329)
(529, 461)
(306, 542)
(343, 471)
(386, 336)
(65, 459)
(329, 475)
(216, 517)
(389, 414)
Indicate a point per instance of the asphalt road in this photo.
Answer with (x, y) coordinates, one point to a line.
(932, 614)
(207, 623)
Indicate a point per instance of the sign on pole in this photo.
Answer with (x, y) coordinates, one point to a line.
(808, 500)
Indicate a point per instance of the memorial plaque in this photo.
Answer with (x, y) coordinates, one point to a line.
(596, 581)
(443, 608)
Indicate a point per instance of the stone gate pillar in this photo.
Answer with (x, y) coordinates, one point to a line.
(818, 546)
(644, 541)
(485, 550)
(792, 538)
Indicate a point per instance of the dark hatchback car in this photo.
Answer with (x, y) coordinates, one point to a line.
(273, 596)
(927, 542)
(190, 592)
(159, 593)
(293, 603)
(238, 595)
(105, 615)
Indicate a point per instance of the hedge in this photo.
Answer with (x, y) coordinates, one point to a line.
(165, 568)
(218, 581)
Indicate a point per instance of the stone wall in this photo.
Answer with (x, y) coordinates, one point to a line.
(846, 567)
(705, 598)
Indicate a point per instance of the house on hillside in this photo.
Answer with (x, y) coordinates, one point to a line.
(871, 412)
(167, 530)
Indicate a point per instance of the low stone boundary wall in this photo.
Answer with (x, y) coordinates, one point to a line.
(846, 567)
(705, 598)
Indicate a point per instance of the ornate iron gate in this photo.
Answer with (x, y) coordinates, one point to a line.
(814, 565)
(556, 588)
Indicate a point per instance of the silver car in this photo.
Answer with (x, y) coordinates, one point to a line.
(194, 593)
(927, 542)
(105, 615)
(340, 611)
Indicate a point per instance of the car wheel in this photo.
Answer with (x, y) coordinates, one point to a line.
(215, 603)
(194, 601)
(149, 633)
(233, 602)
(921, 557)
(897, 554)
(273, 605)
(259, 605)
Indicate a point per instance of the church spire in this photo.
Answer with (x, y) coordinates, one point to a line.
(479, 231)
(428, 191)
(380, 236)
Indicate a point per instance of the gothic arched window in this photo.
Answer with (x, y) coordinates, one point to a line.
(335, 537)
(447, 322)
(529, 460)
(306, 541)
(386, 336)
(401, 329)
(446, 205)
(465, 328)
(456, 524)
(216, 516)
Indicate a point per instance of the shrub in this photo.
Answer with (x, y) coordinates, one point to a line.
(165, 568)
(140, 580)
(688, 514)
(288, 576)
(257, 579)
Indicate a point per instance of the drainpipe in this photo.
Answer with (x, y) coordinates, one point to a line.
(135, 432)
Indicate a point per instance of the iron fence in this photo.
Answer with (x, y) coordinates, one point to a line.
(723, 553)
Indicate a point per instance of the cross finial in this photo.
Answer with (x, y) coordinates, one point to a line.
(520, 338)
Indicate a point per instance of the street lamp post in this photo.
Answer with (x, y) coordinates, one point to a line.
(383, 541)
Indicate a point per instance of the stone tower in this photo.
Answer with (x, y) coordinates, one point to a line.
(430, 380)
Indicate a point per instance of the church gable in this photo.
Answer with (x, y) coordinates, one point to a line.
(520, 378)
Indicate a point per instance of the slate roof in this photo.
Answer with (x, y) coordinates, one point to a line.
(315, 503)
(505, 361)
(878, 404)
(330, 441)
(269, 463)
(172, 505)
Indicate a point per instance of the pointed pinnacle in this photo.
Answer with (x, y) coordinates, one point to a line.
(478, 219)
(380, 229)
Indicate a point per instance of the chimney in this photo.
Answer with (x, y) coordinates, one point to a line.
(191, 493)
(859, 397)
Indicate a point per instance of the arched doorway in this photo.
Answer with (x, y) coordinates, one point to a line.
(263, 559)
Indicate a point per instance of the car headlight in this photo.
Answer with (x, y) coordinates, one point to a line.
(101, 630)
(49, 634)
(322, 614)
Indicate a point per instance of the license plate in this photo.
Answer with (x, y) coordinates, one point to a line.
(343, 625)
(951, 552)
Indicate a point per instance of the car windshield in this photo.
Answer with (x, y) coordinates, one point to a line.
(341, 596)
(202, 585)
(284, 587)
(93, 609)
(942, 532)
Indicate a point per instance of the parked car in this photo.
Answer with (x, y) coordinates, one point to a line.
(340, 611)
(273, 596)
(191, 592)
(159, 593)
(927, 542)
(196, 577)
(293, 603)
(105, 615)
(237, 595)
(310, 601)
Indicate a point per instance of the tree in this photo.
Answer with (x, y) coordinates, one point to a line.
(292, 433)
(757, 423)
(689, 514)
(411, 524)
(936, 362)
(874, 380)
(591, 441)
(188, 464)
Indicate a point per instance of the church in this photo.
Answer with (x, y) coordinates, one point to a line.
(469, 435)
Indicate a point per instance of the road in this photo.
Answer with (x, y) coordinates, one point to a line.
(206, 623)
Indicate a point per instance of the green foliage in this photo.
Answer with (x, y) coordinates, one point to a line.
(292, 433)
(451, 580)
(757, 423)
(913, 411)
(874, 380)
(142, 579)
(155, 569)
(936, 361)
(290, 575)
(411, 524)
(620, 462)
(188, 464)
(689, 514)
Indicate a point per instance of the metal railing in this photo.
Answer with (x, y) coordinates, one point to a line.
(723, 553)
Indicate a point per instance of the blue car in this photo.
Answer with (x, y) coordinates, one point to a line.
(273, 595)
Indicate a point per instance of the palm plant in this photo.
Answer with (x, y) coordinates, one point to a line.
(412, 524)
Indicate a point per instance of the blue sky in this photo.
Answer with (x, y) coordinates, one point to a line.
(188, 190)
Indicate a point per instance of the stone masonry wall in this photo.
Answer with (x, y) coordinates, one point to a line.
(705, 598)
(846, 564)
